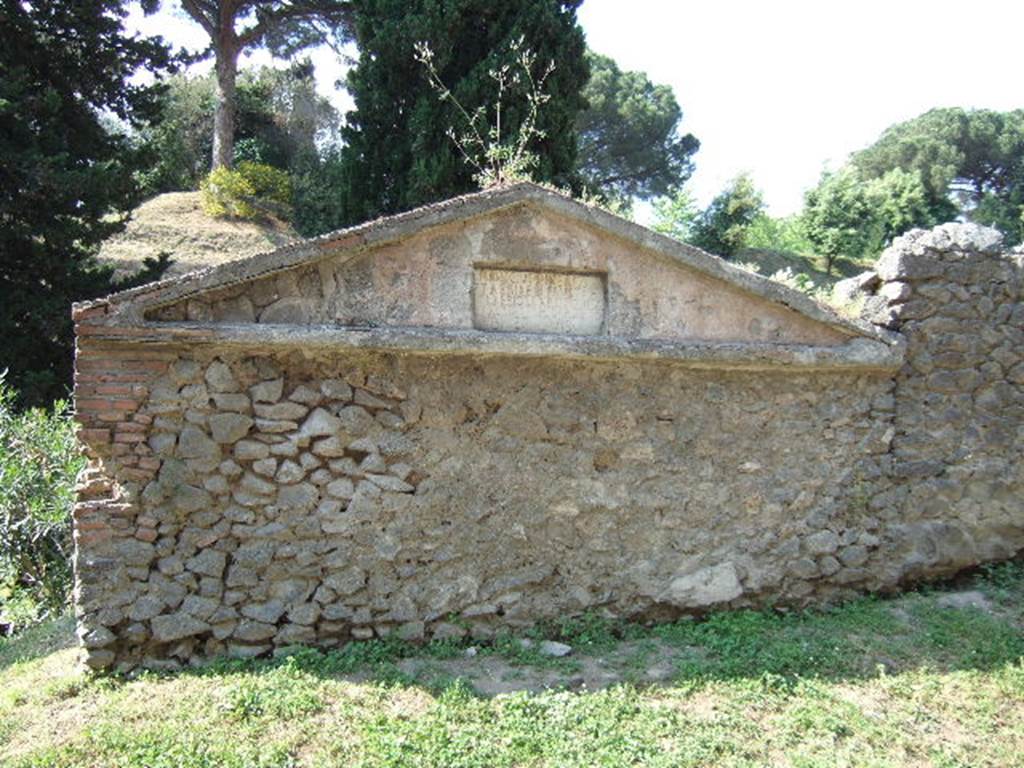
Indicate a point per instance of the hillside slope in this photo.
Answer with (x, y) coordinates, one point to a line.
(175, 223)
(770, 262)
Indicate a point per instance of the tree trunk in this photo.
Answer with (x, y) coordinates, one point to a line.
(224, 111)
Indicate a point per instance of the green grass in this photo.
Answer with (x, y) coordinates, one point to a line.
(875, 682)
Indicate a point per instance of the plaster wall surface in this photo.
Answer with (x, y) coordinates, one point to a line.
(428, 280)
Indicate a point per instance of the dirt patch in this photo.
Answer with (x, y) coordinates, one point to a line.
(969, 599)
(640, 663)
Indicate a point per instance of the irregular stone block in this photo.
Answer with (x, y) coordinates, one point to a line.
(99, 637)
(188, 498)
(229, 427)
(254, 631)
(267, 391)
(209, 562)
(194, 443)
(389, 483)
(289, 472)
(268, 612)
(281, 411)
(821, 543)
(305, 614)
(295, 634)
(300, 496)
(219, 378)
(305, 395)
(320, 423)
(552, 648)
(355, 421)
(336, 389)
(257, 485)
(707, 586)
(330, 447)
(342, 488)
(346, 582)
(99, 659)
(274, 426)
(176, 626)
(237, 402)
(266, 467)
(200, 607)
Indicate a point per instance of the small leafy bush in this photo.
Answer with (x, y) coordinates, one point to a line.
(270, 184)
(38, 464)
(244, 191)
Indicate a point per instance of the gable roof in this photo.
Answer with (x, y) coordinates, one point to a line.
(128, 307)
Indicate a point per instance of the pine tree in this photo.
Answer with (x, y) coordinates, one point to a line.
(284, 27)
(398, 153)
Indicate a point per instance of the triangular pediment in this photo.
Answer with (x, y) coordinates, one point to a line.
(518, 259)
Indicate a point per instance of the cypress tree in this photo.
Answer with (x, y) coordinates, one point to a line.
(65, 177)
(398, 153)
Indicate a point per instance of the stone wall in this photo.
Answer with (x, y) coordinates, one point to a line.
(957, 479)
(241, 499)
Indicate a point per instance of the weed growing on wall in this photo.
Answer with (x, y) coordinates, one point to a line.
(497, 158)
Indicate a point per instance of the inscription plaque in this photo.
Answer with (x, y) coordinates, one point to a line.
(538, 301)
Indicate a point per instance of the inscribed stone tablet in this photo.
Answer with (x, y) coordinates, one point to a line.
(538, 301)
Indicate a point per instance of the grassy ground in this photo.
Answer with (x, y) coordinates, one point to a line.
(175, 223)
(812, 267)
(932, 678)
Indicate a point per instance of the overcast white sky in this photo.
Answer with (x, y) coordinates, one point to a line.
(781, 88)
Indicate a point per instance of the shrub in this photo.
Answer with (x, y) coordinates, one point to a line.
(246, 191)
(38, 464)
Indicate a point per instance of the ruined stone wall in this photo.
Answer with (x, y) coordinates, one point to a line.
(239, 500)
(957, 491)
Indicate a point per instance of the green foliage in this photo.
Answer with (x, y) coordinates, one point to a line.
(283, 27)
(67, 179)
(629, 139)
(287, 692)
(676, 215)
(398, 153)
(268, 183)
(226, 193)
(898, 202)
(786, 235)
(944, 164)
(246, 191)
(799, 281)
(280, 120)
(970, 162)
(495, 157)
(316, 183)
(178, 140)
(849, 216)
(39, 460)
(722, 228)
(836, 215)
